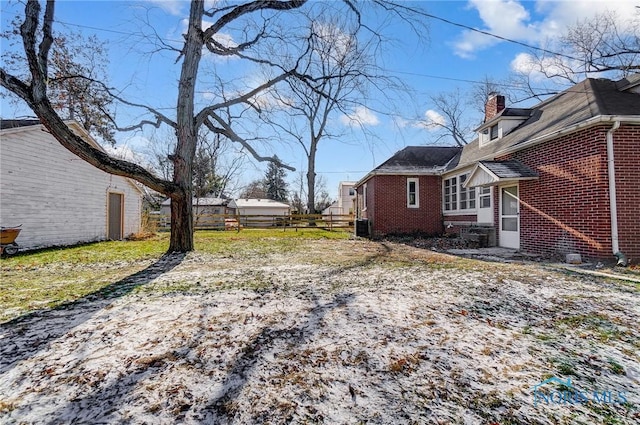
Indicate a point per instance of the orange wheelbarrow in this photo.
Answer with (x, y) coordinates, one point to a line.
(8, 237)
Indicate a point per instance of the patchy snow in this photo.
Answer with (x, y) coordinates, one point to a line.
(339, 332)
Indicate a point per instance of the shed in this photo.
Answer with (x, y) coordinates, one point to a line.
(207, 212)
(258, 212)
(58, 198)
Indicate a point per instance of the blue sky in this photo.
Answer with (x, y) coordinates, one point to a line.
(451, 57)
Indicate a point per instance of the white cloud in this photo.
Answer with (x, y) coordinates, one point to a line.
(506, 18)
(361, 116)
(173, 7)
(524, 63)
(340, 42)
(510, 19)
(434, 120)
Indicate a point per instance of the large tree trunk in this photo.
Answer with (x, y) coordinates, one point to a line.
(187, 135)
(181, 225)
(311, 176)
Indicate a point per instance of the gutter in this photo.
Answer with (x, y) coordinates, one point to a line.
(435, 171)
(613, 203)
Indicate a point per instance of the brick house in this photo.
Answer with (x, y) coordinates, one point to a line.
(403, 194)
(560, 177)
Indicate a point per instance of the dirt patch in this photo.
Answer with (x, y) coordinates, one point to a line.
(348, 331)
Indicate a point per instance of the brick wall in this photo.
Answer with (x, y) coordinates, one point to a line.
(626, 142)
(390, 215)
(494, 105)
(458, 222)
(567, 208)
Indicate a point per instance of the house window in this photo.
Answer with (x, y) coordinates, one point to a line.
(352, 191)
(413, 200)
(485, 197)
(494, 132)
(451, 194)
(456, 196)
(468, 195)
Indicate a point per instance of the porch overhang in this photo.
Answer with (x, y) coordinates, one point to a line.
(493, 173)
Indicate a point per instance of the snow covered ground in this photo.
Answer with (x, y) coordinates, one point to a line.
(339, 332)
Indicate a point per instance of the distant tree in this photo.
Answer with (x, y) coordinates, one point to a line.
(607, 45)
(275, 185)
(451, 122)
(75, 63)
(459, 113)
(298, 197)
(205, 180)
(255, 189)
(309, 106)
(216, 165)
(323, 200)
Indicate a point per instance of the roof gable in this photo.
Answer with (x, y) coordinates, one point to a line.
(489, 173)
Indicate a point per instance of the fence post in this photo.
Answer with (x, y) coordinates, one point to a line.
(330, 220)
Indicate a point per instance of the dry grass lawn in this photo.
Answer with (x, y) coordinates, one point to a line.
(317, 330)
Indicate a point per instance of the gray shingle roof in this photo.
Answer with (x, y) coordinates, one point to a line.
(6, 124)
(509, 169)
(588, 99)
(419, 159)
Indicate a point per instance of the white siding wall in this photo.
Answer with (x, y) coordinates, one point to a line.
(261, 211)
(346, 200)
(58, 198)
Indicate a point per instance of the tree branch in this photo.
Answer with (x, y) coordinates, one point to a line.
(226, 130)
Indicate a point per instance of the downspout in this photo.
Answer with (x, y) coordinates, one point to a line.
(613, 203)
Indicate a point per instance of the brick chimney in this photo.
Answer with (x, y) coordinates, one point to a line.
(494, 105)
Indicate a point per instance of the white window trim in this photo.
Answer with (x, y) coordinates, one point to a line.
(458, 211)
(417, 192)
(480, 195)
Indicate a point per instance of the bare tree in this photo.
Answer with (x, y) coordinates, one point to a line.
(323, 200)
(298, 195)
(305, 109)
(451, 120)
(262, 21)
(255, 189)
(458, 113)
(606, 45)
(75, 61)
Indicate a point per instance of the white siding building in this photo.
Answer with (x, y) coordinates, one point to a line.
(258, 212)
(344, 204)
(346, 195)
(57, 197)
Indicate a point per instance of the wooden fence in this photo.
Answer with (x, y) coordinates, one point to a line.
(239, 222)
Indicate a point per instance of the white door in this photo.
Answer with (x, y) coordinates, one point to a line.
(485, 206)
(509, 217)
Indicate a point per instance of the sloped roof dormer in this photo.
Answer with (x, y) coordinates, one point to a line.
(491, 173)
(502, 124)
